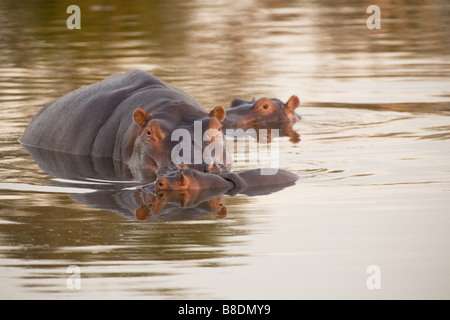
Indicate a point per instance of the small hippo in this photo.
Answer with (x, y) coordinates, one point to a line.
(250, 182)
(127, 117)
(261, 113)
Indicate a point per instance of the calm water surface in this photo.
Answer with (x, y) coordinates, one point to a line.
(373, 159)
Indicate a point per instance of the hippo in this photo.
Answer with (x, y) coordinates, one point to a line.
(261, 113)
(128, 117)
(250, 182)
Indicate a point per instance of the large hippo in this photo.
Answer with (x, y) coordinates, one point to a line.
(128, 117)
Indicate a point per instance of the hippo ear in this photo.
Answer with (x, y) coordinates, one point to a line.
(292, 103)
(141, 117)
(181, 166)
(142, 213)
(218, 113)
(222, 213)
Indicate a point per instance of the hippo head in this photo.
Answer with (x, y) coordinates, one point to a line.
(149, 151)
(158, 142)
(204, 146)
(262, 112)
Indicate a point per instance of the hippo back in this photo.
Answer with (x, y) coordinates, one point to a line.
(87, 120)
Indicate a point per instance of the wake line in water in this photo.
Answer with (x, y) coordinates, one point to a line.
(42, 189)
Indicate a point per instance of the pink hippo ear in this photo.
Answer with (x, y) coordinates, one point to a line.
(141, 117)
(142, 213)
(222, 213)
(218, 113)
(292, 103)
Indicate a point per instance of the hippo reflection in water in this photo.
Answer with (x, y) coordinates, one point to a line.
(184, 194)
(189, 188)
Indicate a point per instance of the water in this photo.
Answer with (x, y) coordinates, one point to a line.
(373, 159)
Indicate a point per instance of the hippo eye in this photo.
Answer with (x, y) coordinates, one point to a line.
(148, 133)
(161, 184)
(266, 106)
